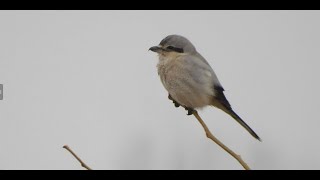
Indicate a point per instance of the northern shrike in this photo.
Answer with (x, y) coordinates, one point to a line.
(189, 79)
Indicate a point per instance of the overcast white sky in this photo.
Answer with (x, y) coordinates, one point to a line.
(86, 79)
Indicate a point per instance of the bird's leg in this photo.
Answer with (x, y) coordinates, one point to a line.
(176, 104)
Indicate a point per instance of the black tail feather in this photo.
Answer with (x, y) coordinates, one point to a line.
(221, 102)
(243, 124)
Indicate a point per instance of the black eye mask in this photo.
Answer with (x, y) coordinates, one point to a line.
(171, 48)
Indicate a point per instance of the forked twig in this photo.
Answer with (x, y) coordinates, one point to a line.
(208, 134)
(213, 138)
(74, 154)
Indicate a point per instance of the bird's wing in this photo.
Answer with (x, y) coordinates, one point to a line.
(202, 72)
(209, 68)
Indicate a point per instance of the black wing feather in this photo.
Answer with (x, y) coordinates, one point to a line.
(219, 95)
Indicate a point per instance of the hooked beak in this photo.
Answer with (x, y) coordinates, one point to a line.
(155, 49)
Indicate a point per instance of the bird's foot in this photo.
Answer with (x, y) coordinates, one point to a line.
(176, 104)
(190, 111)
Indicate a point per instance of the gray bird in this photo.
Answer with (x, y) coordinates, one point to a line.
(189, 79)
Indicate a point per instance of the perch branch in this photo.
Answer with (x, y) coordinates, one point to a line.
(213, 138)
(74, 154)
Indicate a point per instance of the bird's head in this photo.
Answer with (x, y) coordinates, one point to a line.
(174, 44)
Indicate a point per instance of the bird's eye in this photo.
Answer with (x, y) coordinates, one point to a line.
(175, 49)
(171, 47)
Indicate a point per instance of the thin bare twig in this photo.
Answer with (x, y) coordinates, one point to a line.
(74, 154)
(210, 136)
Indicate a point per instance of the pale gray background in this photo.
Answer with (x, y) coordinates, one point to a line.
(86, 79)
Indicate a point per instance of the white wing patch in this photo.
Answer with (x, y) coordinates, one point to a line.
(208, 73)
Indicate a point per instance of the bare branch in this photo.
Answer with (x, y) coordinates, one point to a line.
(74, 154)
(210, 136)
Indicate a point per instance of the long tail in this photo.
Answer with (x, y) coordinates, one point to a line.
(242, 123)
(220, 101)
